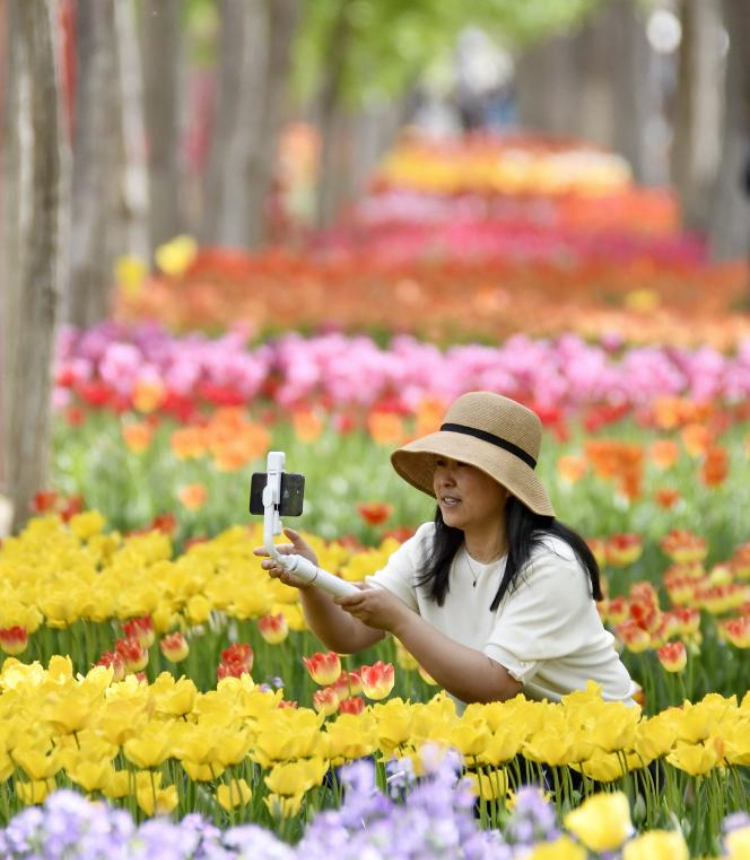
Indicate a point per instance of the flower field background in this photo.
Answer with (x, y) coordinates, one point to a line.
(148, 659)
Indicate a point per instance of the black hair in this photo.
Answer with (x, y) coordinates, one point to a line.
(524, 531)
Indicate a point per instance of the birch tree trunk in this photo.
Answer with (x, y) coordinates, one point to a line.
(161, 28)
(95, 143)
(697, 119)
(729, 228)
(133, 201)
(35, 165)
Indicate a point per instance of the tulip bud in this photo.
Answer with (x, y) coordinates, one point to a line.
(354, 705)
(140, 629)
(673, 656)
(323, 668)
(326, 701)
(174, 647)
(113, 659)
(274, 628)
(13, 640)
(377, 680)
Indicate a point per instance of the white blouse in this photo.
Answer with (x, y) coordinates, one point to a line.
(546, 632)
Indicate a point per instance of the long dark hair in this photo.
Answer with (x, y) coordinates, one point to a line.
(524, 530)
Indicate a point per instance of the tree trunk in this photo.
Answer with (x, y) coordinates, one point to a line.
(335, 167)
(632, 89)
(35, 165)
(547, 86)
(222, 169)
(697, 116)
(283, 17)
(161, 60)
(593, 83)
(133, 203)
(729, 230)
(87, 298)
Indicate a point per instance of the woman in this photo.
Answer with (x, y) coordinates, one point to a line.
(493, 598)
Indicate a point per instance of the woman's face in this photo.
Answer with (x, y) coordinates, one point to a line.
(468, 498)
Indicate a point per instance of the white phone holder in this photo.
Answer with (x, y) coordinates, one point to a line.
(301, 567)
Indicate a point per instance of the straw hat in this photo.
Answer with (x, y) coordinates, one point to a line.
(489, 431)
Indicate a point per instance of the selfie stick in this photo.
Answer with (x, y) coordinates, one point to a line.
(301, 567)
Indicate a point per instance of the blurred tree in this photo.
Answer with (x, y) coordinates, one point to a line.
(729, 226)
(162, 46)
(34, 178)
(255, 54)
(697, 114)
(133, 186)
(94, 180)
(590, 81)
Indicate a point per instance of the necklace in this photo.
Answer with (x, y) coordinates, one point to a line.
(474, 573)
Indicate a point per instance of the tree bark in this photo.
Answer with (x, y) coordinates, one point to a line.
(221, 167)
(133, 202)
(283, 18)
(35, 165)
(87, 298)
(729, 228)
(161, 60)
(334, 123)
(697, 115)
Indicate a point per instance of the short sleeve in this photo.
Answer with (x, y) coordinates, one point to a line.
(405, 566)
(547, 616)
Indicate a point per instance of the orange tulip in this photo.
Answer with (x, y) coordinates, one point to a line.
(666, 497)
(307, 424)
(149, 394)
(696, 439)
(193, 496)
(571, 468)
(374, 513)
(664, 453)
(137, 437)
(386, 428)
(715, 467)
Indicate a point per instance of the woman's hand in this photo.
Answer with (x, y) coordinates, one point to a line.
(375, 607)
(298, 546)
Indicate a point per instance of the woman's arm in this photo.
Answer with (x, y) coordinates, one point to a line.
(335, 628)
(338, 630)
(465, 672)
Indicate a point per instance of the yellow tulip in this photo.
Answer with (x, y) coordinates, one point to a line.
(176, 256)
(489, 786)
(92, 776)
(561, 849)
(350, 737)
(737, 743)
(36, 763)
(548, 748)
(233, 747)
(656, 845)
(502, 746)
(130, 273)
(602, 822)
(296, 777)
(237, 793)
(283, 807)
(34, 792)
(151, 748)
(202, 772)
(173, 698)
(655, 737)
(87, 524)
(470, 739)
(160, 801)
(67, 713)
(737, 844)
(195, 743)
(119, 785)
(695, 759)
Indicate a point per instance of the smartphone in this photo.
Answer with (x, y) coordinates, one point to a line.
(292, 492)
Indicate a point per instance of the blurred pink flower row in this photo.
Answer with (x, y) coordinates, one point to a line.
(106, 366)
